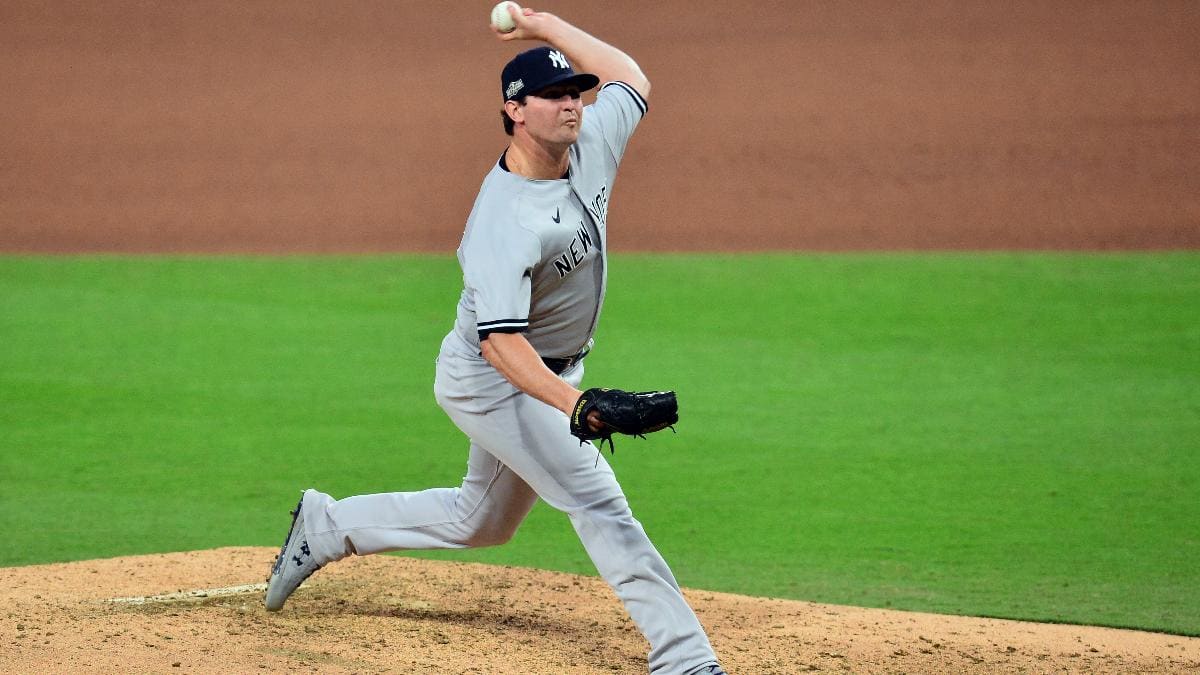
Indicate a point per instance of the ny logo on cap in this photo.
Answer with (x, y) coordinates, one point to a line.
(559, 61)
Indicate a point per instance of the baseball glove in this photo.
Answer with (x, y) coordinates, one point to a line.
(629, 413)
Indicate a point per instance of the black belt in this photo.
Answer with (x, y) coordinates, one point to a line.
(558, 366)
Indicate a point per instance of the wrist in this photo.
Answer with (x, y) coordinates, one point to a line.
(569, 398)
(555, 31)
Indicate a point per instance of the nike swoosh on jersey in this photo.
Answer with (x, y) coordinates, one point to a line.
(556, 218)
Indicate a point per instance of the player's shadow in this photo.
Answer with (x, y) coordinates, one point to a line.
(477, 616)
(593, 647)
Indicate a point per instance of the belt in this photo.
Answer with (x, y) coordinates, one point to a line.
(560, 365)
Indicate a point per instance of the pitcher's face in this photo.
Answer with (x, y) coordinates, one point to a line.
(553, 115)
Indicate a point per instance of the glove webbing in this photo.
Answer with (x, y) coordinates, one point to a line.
(612, 449)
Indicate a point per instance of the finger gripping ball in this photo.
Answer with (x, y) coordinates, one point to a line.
(501, 19)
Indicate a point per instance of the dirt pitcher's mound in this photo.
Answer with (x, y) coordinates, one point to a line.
(202, 612)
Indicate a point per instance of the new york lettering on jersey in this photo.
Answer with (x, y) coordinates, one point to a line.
(577, 251)
(584, 241)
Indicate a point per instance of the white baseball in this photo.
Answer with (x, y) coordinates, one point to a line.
(501, 19)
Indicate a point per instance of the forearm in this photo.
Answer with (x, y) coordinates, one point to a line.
(586, 52)
(590, 54)
(515, 358)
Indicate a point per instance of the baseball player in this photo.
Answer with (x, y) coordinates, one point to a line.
(533, 257)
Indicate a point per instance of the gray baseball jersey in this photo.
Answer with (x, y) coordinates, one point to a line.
(533, 254)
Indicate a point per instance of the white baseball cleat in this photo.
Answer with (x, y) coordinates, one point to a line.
(293, 565)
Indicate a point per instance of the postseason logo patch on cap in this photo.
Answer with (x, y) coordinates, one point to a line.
(513, 88)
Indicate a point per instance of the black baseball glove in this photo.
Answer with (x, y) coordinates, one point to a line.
(629, 413)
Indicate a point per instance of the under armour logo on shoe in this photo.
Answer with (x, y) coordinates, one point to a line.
(303, 552)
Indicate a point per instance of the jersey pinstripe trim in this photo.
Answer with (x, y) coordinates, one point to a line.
(637, 98)
(486, 328)
(503, 323)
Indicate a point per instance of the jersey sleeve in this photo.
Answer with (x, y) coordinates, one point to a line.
(498, 268)
(618, 108)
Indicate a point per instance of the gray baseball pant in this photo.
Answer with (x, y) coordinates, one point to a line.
(521, 449)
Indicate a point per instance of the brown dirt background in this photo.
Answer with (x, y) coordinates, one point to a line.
(322, 126)
(317, 125)
(392, 614)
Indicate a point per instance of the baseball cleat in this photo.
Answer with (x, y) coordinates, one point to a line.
(711, 670)
(293, 565)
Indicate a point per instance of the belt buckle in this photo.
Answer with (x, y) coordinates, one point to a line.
(572, 360)
(568, 362)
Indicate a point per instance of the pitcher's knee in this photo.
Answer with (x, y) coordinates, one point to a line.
(488, 533)
(615, 507)
(484, 538)
(612, 515)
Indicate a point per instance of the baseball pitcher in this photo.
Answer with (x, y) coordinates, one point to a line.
(534, 263)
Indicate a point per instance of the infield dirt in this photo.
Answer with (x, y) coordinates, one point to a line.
(393, 614)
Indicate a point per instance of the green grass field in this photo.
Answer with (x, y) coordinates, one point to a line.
(1010, 435)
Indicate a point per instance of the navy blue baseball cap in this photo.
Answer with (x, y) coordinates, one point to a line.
(536, 69)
